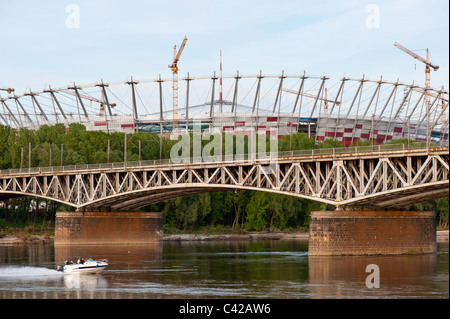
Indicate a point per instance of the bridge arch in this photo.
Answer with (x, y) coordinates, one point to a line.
(140, 198)
(136, 199)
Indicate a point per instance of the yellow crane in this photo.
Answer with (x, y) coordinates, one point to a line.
(426, 61)
(428, 64)
(174, 68)
(9, 90)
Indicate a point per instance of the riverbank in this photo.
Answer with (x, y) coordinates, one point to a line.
(27, 240)
(442, 236)
(44, 239)
(239, 236)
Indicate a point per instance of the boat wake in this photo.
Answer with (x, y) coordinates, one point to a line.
(26, 272)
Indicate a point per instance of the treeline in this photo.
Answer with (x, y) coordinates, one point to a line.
(56, 145)
(237, 209)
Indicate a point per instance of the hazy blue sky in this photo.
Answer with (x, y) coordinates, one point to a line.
(117, 39)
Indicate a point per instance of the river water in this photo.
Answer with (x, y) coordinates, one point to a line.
(275, 269)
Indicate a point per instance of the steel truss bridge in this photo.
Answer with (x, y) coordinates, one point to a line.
(251, 100)
(379, 176)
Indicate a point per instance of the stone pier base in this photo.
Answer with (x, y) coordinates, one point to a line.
(93, 228)
(371, 233)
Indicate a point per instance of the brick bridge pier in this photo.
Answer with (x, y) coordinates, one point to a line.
(371, 233)
(102, 228)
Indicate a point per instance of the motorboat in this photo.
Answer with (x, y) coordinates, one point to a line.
(84, 266)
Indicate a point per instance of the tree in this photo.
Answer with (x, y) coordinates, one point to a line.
(5, 156)
(220, 205)
(280, 209)
(256, 212)
(300, 141)
(330, 143)
(362, 143)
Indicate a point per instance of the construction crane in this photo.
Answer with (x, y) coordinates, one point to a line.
(418, 57)
(174, 68)
(428, 64)
(9, 90)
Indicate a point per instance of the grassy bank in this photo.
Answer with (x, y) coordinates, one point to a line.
(227, 230)
(27, 233)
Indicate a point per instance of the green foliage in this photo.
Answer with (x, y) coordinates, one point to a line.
(296, 141)
(362, 143)
(330, 143)
(407, 142)
(256, 211)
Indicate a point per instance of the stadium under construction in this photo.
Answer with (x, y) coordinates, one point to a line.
(345, 109)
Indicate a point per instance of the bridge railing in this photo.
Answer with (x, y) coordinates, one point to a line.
(236, 158)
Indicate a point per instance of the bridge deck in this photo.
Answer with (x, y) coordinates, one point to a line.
(329, 154)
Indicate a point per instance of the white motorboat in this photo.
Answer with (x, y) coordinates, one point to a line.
(84, 266)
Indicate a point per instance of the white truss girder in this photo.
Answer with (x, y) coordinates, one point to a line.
(385, 180)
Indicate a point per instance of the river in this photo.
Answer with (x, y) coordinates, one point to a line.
(272, 269)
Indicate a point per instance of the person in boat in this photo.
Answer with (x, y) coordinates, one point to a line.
(68, 262)
(80, 261)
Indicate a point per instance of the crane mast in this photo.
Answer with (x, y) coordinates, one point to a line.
(174, 68)
(428, 64)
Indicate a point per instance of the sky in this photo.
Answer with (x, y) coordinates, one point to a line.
(60, 42)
